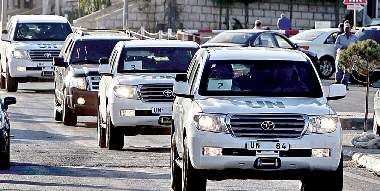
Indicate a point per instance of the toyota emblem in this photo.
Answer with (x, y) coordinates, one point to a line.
(267, 125)
(47, 55)
(168, 93)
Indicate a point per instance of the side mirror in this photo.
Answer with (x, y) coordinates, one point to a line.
(4, 37)
(103, 60)
(181, 77)
(59, 61)
(181, 89)
(4, 32)
(9, 100)
(104, 69)
(337, 91)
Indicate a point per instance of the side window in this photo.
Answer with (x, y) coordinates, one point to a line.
(192, 64)
(331, 39)
(264, 40)
(68, 46)
(282, 43)
(113, 60)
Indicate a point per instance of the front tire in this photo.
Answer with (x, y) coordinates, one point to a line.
(101, 132)
(57, 114)
(192, 179)
(326, 68)
(115, 138)
(176, 174)
(5, 151)
(69, 118)
(11, 83)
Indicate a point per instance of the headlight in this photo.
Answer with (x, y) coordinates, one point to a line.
(20, 54)
(123, 91)
(79, 83)
(211, 122)
(322, 124)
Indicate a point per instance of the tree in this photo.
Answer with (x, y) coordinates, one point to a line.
(90, 6)
(362, 58)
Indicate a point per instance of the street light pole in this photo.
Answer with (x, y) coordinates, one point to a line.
(125, 15)
(4, 6)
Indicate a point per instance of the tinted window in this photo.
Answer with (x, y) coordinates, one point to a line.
(42, 31)
(155, 59)
(272, 78)
(89, 52)
(365, 34)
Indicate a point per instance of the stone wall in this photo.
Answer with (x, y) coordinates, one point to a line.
(205, 14)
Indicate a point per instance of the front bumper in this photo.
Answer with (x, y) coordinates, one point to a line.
(22, 68)
(89, 108)
(238, 159)
(144, 113)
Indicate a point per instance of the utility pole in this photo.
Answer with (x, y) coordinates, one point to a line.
(4, 6)
(125, 15)
(57, 7)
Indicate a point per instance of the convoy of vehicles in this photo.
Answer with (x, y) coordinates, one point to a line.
(243, 113)
(76, 76)
(136, 88)
(29, 44)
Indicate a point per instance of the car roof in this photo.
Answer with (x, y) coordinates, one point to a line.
(40, 19)
(254, 53)
(100, 35)
(159, 43)
(248, 31)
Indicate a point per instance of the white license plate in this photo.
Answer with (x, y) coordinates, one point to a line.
(158, 110)
(267, 145)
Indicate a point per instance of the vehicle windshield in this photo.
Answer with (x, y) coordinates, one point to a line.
(365, 34)
(234, 37)
(308, 35)
(155, 59)
(42, 31)
(89, 52)
(274, 78)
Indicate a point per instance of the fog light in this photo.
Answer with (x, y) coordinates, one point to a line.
(81, 101)
(20, 68)
(212, 151)
(320, 153)
(126, 112)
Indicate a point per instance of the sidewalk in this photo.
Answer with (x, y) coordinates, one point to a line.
(353, 124)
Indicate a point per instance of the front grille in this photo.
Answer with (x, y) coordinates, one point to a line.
(286, 126)
(93, 82)
(157, 93)
(43, 55)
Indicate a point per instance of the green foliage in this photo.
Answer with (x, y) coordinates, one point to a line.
(363, 57)
(90, 6)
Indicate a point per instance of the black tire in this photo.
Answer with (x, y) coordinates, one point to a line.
(376, 127)
(176, 174)
(2, 81)
(101, 132)
(192, 179)
(69, 118)
(11, 84)
(115, 138)
(5, 162)
(334, 180)
(326, 67)
(57, 114)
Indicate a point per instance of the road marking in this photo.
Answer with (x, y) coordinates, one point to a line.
(351, 175)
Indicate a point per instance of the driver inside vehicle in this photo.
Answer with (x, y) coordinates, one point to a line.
(24, 32)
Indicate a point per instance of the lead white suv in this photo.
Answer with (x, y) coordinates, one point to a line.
(260, 113)
(29, 44)
(136, 88)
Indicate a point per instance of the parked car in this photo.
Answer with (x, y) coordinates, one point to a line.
(5, 132)
(365, 33)
(321, 42)
(76, 76)
(271, 121)
(258, 38)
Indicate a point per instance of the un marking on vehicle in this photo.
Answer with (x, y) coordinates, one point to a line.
(262, 104)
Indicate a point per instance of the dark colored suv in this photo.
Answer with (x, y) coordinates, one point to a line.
(76, 72)
(365, 33)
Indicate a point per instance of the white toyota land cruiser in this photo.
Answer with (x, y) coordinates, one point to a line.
(242, 113)
(136, 88)
(29, 44)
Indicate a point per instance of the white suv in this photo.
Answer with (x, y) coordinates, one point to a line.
(136, 88)
(243, 113)
(29, 44)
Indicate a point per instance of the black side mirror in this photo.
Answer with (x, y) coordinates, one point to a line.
(9, 100)
(181, 77)
(4, 32)
(59, 61)
(103, 60)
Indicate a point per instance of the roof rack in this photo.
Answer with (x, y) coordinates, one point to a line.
(86, 31)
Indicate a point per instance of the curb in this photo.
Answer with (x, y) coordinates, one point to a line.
(369, 161)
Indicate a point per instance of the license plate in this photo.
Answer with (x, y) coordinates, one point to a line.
(267, 145)
(47, 73)
(41, 64)
(158, 110)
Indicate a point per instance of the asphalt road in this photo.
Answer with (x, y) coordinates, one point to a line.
(46, 155)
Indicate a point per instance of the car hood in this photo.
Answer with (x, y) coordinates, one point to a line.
(85, 70)
(38, 45)
(309, 106)
(135, 79)
(220, 44)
